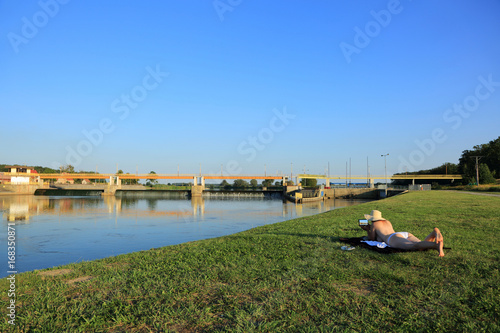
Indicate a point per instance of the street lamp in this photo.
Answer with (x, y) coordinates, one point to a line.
(385, 161)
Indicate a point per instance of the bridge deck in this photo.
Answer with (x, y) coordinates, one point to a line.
(332, 177)
(213, 176)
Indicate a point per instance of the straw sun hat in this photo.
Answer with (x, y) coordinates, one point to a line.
(375, 216)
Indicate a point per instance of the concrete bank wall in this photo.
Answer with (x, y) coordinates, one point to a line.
(358, 193)
(7, 189)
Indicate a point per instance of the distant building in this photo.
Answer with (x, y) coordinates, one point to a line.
(19, 174)
(63, 180)
(86, 182)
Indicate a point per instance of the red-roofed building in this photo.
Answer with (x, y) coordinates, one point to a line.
(63, 180)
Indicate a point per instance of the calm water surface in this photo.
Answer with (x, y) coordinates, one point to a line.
(52, 231)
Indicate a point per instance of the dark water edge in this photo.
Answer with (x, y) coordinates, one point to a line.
(163, 194)
(157, 194)
(68, 193)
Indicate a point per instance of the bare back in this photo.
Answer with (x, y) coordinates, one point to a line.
(383, 229)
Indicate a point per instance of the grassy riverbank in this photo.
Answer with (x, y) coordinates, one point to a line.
(290, 276)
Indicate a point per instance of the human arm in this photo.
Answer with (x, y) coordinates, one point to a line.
(371, 233)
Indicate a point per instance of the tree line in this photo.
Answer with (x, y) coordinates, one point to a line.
(487, 157)
(240, 183)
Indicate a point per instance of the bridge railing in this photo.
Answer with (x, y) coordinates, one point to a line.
(408, 177)
(218, 176)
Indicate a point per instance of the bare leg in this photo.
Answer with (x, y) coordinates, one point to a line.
(412, 238)
(400, 242)
(432, 236)
(439, 241)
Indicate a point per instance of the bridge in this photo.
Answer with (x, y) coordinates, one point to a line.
(114, 181)
(371, 179)
(36, 181)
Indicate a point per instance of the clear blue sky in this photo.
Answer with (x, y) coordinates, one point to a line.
(247, 84)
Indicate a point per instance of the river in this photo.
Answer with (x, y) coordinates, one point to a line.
(54, 230)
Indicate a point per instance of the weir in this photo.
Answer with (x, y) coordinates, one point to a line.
(33, 182)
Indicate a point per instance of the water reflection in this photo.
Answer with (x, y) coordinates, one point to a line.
(52, 231)
(23, 208)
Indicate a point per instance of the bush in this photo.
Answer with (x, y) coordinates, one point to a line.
(485, 176)
(436, 186)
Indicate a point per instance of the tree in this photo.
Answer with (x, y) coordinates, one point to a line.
(41, 169)
(254, 183)
(444, 169)
(68, 168)
(225, 185)
(490, 156)
(151, 182)
(485, 176)
(308, 182)
(127, 181)
(267, 182)
(239, 183)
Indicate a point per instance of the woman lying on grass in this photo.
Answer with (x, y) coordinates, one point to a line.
(381, 230)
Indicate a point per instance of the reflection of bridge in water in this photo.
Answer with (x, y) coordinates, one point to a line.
(23, 208)
(113, 182)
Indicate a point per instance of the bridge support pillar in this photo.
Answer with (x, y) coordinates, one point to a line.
(111, 180)
(372, 183)
(197, 190)
(110, 190)
(327, 183)
(198, 187)
(40, 181)
(118, 181)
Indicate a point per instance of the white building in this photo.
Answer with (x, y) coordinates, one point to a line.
(19, 175)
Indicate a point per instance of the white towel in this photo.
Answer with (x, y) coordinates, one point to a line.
(380, 245)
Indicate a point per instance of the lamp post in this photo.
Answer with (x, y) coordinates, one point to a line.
(385, 162)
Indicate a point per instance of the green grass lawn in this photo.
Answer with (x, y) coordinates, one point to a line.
(290, 276)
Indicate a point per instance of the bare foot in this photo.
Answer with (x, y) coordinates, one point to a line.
(439, 241)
